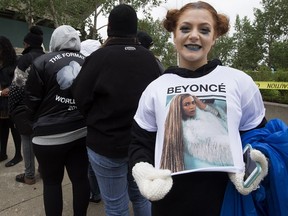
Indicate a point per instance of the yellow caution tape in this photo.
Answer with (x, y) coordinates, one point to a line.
(272, 85)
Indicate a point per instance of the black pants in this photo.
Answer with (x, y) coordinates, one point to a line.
(193, 194)
(53, 160)
(5, 125)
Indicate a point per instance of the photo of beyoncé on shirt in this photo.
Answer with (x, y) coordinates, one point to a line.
(196, 134)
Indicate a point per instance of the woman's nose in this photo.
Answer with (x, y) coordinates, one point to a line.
(194, 34)
(192, 106)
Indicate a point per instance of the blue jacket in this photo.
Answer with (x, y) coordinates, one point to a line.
(271, 197)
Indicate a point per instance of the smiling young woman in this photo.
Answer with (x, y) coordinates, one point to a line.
(194, 37)
(229, 102)
(195, 32)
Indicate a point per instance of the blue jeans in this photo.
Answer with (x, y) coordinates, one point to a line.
(117, 186)
(28, 155)
(94, 188)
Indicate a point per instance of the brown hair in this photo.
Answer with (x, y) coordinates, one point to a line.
(172, 153)
(221, 21)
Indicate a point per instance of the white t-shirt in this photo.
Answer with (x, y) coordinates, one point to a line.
(209, 142)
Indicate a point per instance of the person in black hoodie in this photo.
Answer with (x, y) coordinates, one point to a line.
(146, 41)
(32, 49)
(107, 91)
(59, 129)
(158, 157)
(8, 62)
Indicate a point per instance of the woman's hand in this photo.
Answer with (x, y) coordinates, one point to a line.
(199, 103)
(238, 178)
(5, 92)
(153, 183)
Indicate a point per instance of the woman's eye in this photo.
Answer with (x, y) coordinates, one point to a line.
(205, 31)
(184, 29)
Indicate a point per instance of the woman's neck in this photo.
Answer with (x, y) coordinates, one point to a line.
(192, 67)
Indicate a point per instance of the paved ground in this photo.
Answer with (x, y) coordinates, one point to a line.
(17, 199)
(277, 111)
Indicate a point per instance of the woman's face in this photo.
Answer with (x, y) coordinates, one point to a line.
(194, 36)
(189, 106)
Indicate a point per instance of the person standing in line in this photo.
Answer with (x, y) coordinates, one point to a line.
(87, 47)
(8, 62)
(195, 28)
(59, 129)
(107, 91)
(146, 41)
(17, 108)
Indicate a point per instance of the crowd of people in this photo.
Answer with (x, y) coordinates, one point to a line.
(126, 129)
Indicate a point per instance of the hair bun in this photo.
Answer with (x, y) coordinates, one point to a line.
(36, 30)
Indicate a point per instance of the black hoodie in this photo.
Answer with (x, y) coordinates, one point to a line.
(107, 91)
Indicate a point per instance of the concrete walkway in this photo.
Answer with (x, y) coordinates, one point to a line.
(274, 110)
(17, 199)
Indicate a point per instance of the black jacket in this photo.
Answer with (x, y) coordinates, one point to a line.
(28, 56)
(17, 108)
(48, 93)
(16, 95)
(6, 77)
(107, 91)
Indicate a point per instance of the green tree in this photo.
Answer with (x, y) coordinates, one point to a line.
(223, 50)
(72, 12)
(27, 10)
(248, 49)
(105, 6)
(279, 55)
(272, 24)
(163, 48)
(262, 42)
(58, 12)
